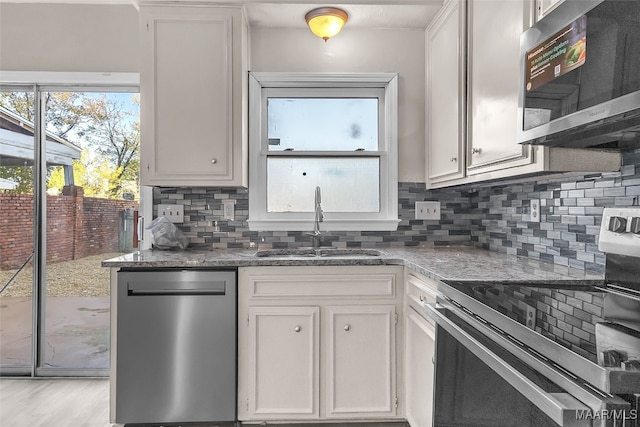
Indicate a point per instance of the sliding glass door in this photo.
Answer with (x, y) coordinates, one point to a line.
(17, 184)
(81, 203)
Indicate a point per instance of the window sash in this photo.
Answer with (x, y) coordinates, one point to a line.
(295, 188)
(264, 85)
(323, 93)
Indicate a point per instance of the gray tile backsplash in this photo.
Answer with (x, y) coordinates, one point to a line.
(488, 215)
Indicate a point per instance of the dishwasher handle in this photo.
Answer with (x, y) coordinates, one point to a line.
(173, 292)
(146, 288)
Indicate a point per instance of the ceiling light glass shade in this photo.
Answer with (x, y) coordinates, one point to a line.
(326, 22)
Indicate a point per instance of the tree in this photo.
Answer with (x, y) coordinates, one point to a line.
(21, 175)
(107, 131)
(112, 133)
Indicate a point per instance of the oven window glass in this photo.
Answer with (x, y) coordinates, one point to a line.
(468, 392)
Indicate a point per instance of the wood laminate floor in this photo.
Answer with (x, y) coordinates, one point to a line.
(77, 403)
(54, 402)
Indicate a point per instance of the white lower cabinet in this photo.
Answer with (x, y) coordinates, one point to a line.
(283, 344)
(318, 343)
(419, 352)
(360, 355)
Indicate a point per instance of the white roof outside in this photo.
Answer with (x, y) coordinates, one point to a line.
(19, 147)
(7, 184)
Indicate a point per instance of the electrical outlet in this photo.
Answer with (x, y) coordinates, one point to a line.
(428, 210)
(175, 213)
(531, 317)
(534, 212)
(228, 209)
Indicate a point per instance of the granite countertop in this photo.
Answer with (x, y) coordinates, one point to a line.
(440, 263)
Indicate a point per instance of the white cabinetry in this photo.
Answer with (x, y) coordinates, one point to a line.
(479, 144)
(318, 342)
(445, 94)
(360, 355)
(545, 6)
(494, 29)
(283, 344)
(420, 337)
(193, 96)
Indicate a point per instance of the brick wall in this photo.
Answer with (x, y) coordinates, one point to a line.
(16, 229)
(101, 225)
(77, 226)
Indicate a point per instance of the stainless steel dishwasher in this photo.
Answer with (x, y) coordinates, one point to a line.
(175, 346)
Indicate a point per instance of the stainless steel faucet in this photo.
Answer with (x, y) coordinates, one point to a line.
(319, 217)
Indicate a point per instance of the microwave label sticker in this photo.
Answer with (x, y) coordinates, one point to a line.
(566, 50)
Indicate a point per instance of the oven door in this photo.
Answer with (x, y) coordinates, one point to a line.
(479, 382)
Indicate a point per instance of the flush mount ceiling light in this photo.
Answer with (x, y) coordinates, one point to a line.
(326, 22)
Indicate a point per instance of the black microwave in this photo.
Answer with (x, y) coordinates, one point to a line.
(580, 76)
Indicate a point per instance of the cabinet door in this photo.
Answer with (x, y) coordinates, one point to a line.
(191, 70)
(494, 29)
(420, 351)
(445, 124)
(545, 6)
(360, 361)
(284, 367)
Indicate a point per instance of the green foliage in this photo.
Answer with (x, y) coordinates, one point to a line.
(21, 175)
(107, 131)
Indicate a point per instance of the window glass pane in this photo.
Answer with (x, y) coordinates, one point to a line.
(348, 184)
(92, 189)
(17, 181)
(322, 124)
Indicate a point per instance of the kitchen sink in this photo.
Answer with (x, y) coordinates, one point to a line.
(318, 252)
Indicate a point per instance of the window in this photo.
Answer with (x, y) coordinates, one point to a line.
(333, 131)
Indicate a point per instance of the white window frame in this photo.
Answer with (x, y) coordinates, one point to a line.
(384, 220)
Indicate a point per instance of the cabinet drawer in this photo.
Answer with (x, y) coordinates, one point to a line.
(264, 283)
(420, 290)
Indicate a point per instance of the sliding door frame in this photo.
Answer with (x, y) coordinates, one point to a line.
(39, 83)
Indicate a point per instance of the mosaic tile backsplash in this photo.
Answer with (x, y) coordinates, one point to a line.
(566, 316)
(488, 215)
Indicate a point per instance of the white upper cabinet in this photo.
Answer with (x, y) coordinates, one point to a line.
(193, 96)
(494, 29)
(479, 143)
(445, 94)
(545, 6)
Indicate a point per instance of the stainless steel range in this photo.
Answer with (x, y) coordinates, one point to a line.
(545, 354)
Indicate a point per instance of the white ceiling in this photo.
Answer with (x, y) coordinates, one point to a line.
(360, 15)
(409, 14)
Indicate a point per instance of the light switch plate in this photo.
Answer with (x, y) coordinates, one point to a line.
(229, 209)
(175, 213)
(428, 210)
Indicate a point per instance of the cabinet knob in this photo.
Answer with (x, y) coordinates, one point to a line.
(214, 161)
(476, 150)
(347, 328)
(453, 159)
(421, 298)
(297, 329)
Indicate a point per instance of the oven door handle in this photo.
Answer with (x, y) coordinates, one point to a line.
(562, 408)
